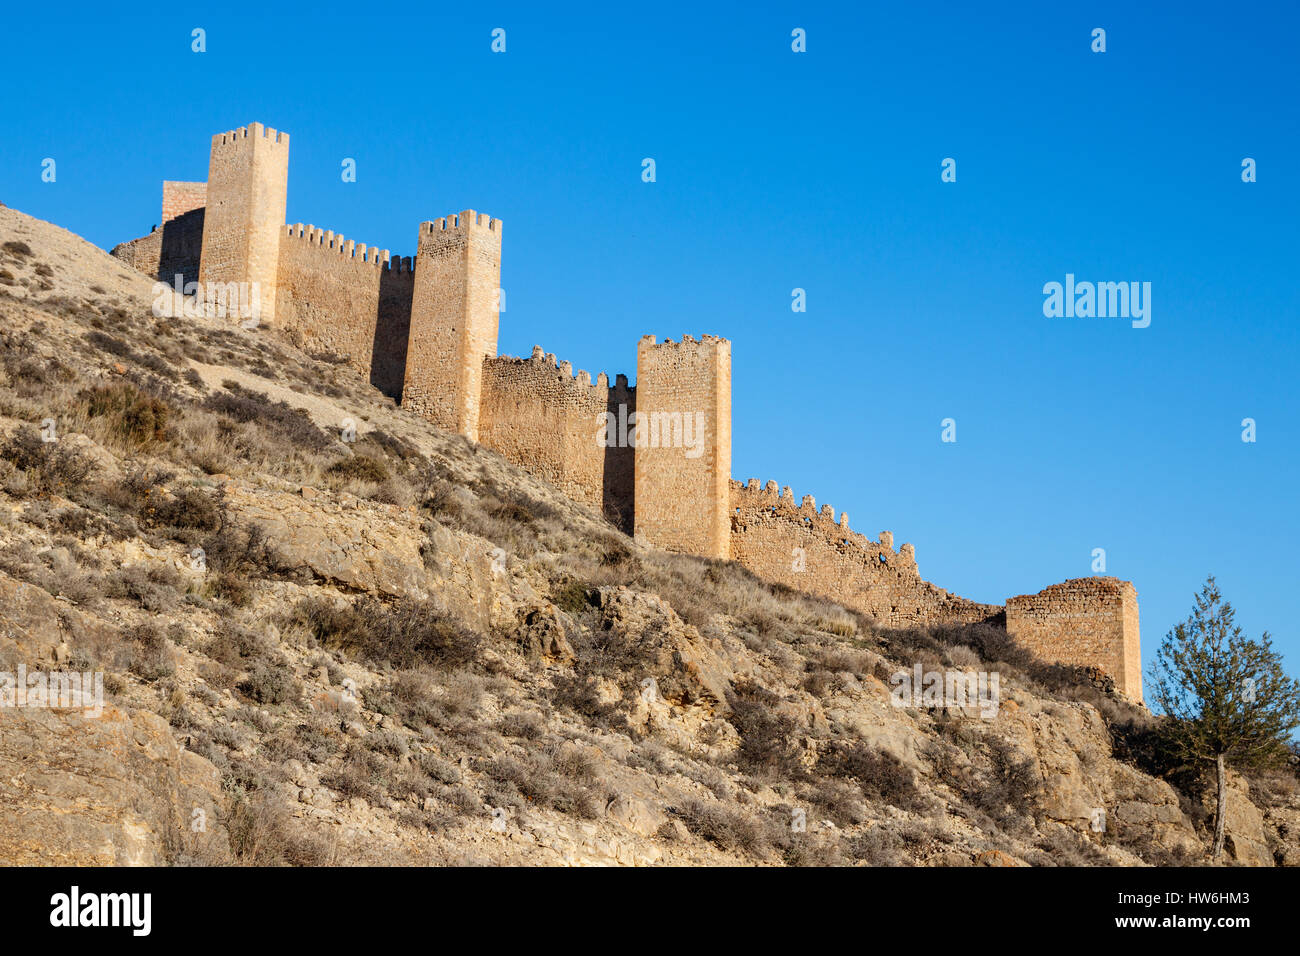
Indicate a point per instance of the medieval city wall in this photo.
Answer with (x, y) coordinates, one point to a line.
(346, 298)
(424, 331)
(1086, 621)
(810, 550)
(174, 246)
(537, 414)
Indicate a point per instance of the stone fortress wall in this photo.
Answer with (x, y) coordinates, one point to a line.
(424, 330)
(345, 298)
(542, 417)
(810, 550)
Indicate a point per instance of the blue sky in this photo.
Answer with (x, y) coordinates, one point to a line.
(821, 171)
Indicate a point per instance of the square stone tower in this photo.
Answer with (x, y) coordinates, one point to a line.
(454, 319)
(1083, 621)
(248, 183)
(682, 484)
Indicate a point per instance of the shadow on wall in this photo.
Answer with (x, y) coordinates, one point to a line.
(180, 247)
(392, 325)
(618, 481)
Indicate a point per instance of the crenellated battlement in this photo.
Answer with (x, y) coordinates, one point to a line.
(565, 374)
(807, 548)
(253, 131)
(687, 342)
(563, 426)
(462, 221)
(754, 496)
(244, 212)
(336, 245)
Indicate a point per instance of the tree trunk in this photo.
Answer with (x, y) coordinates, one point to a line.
(1221, 810)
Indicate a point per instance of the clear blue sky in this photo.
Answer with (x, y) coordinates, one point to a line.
(819, 170)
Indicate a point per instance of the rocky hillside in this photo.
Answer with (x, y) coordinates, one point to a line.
(331, 634)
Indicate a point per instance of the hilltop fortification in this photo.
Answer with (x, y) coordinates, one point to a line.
(654, 457)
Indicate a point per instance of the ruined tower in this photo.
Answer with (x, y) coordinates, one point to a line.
(1087, 621)
(683, 445)
(454, 316)
(248, 181)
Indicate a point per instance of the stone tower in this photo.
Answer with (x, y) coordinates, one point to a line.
(1088, 621)
(454, 316)
(683, 445)
(248, 181)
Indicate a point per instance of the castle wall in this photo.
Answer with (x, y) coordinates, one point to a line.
(1084, 621)
(175, 247)
(248, 177)
(453, 319)
(348, 299)
(179, 198)
(545, 420)
(809, 550)
(684, 399)
(425, 333)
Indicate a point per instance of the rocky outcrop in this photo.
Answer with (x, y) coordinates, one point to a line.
(112, 790)
(1245, 838)
(78, 789)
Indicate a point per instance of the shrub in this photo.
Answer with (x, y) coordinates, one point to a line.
(235, 645)
(151, 658)
(408, 634)
(262, 833)
(239, 549)
(51, 467)
(722, 826)
(879, 773)
(766, 743)
(293, 424)
(153, 588)
(359, 468)
(107, 343)
(271, 683)
(190, 510)
(136, 419)
(571, 597)
(525, 724)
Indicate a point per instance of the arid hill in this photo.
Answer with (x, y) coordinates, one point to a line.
(332, 634)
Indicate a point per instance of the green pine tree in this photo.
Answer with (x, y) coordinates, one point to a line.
(1225, 697)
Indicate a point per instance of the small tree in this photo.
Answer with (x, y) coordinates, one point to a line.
(1225, 696)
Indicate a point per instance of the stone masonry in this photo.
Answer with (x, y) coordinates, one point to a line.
(683, 445)
(1089, 621)
(654, 458)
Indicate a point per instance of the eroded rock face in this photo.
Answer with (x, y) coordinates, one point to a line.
(113, 790)
(541, 634)
(1245, 840)
(685, 667)
(1084, 789)
(35, 627)
(82, 790)
(368, 547)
